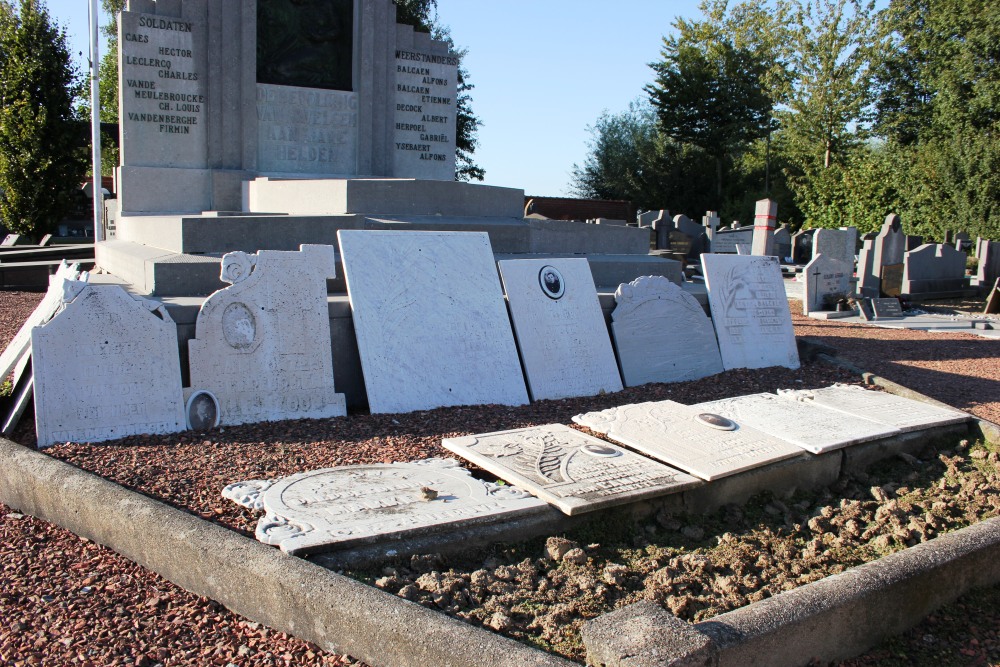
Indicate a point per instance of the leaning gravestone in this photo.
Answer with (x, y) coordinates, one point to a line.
(262, 347)
(430, 320)
(824, 277)
(700, 443)
(750, 311)
(993, 300)
(662, 333)
(560, 328)
(877, 406)
(339, 508)
(806, 425)
(934, 268)
(575, 472)
(838, 244)
(106, 367)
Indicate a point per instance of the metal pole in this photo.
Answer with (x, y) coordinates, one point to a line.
(95, 121)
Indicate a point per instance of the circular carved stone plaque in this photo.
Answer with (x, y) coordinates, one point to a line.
(552, 282)
(716, 421)
(202, 411)
(602, 451)
(239, 327)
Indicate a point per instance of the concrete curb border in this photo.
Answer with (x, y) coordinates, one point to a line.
(253, 580)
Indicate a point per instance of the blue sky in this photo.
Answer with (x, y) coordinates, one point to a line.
(543, 70)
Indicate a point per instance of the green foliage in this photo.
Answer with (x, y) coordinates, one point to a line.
(41, 158)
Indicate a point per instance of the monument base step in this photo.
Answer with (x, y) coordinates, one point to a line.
(211, 233)
(155, 272)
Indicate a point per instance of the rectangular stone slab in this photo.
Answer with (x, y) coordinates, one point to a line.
(807, 425)
(878, 406)
(339, 508)
(430, 320)
(888, 307)
(560, 328)
(670, 432)
(572, 470)
(750, 311)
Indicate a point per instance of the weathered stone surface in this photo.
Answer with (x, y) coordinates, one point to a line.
(560, 328)
(662, 333)
(889, 246)
(644, 634)
(64, 285)
(262, 345)
(430, 319)
(877, 406)
(573, 471)
(812, 427)
(839, 244)
(674, 433)
(106, 367)
(824, 276)
(336, 508)
(750, 311)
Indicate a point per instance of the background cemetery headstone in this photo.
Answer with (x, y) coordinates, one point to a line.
(750, 311)
(662, 333)
(838, 244)
(934, 268)
(765, 220)
(868, 285)
(988, 269)
(802, 242)
(560, 328)
(430, 319)
(824, 277)
(889, 246)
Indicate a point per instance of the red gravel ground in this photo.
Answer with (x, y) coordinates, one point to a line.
(65, 601)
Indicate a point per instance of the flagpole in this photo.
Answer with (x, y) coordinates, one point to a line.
(95, 122)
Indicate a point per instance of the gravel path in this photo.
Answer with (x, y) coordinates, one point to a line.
(94, 621)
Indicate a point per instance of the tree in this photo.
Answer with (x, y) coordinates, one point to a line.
(41, 160)
(712, 92)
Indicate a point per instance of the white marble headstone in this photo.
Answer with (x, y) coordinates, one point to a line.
(662, 333)
(430, 319)
(572, 470)
(263, 343)
(560, 328)
(877, 406)
(824, 276)
(106, 367)
(750, 311)
(338, 508)
(810, 426)
(677, 435)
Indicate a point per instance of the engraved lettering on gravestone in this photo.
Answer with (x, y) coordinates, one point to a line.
(306, 43)
(551, 282)
(202, 411)
(572, 470)
(716, 421)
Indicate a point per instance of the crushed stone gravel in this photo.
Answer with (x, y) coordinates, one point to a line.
(188, 471)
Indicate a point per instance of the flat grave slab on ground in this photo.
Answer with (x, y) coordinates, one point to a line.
(105, 367)
(750, 311)
(430, 319)
(886, 308)
(662, 333)
(812, 427)
(677, 435)
(560, 328)
(572, 470)
(338, 508)
(877, 406)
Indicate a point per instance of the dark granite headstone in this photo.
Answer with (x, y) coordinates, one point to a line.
(886, 308)
(865, 309)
